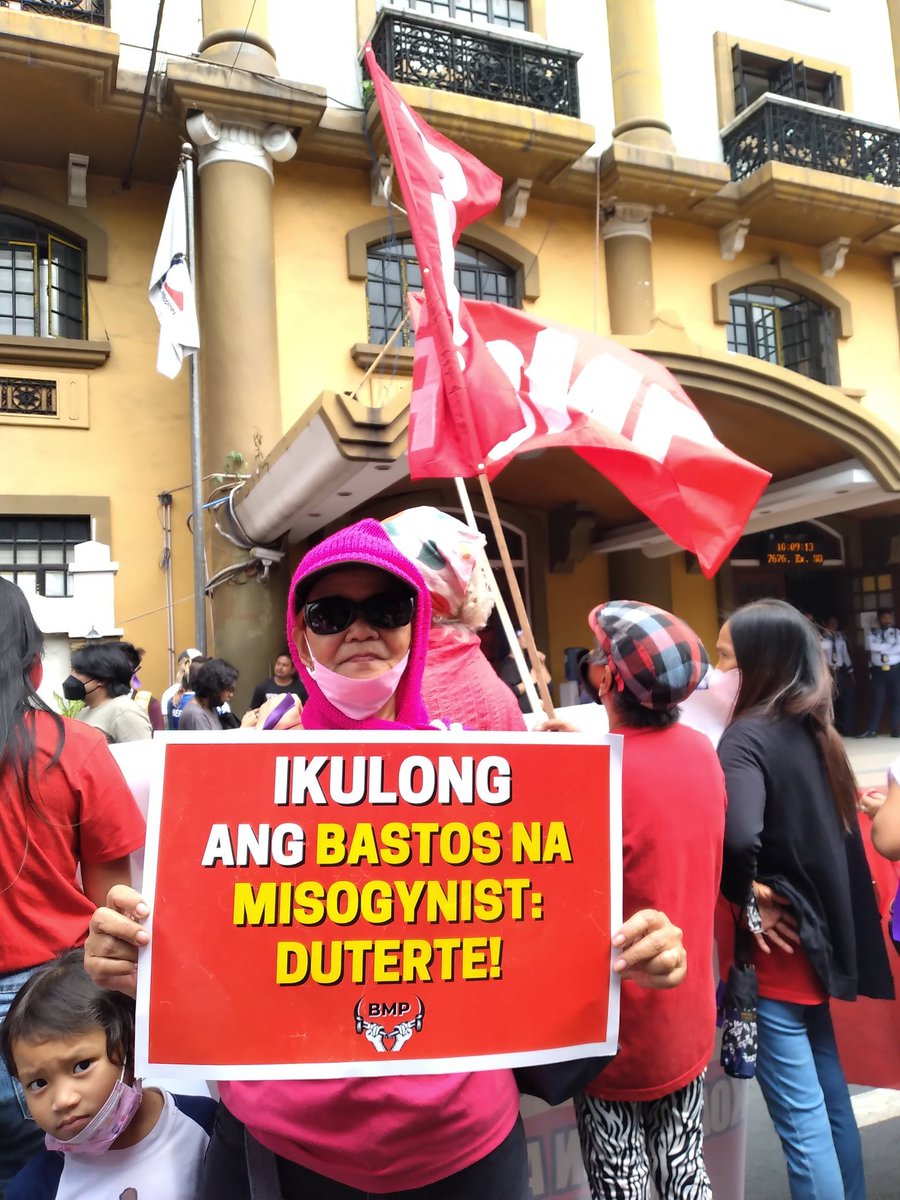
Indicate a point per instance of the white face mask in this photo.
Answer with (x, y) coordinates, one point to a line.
(107, 1124)
(358, 698)
(724, 685)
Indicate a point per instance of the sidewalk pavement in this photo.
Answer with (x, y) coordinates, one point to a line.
(871, 757)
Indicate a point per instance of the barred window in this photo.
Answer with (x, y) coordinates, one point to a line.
(392, 268)
(42, 281)
(511, 13)
(756, 74)
(35, 552)
(783, 327)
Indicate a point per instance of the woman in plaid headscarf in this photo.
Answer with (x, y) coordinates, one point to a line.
(641, 1119)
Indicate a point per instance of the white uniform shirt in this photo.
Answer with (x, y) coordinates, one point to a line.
(837, 654)
(164, 1166)
(883, 646)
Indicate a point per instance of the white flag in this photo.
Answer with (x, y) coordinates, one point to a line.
(171, 290)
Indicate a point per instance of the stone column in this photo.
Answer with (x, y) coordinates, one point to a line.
(237, 257)
(240, 368)
(895, 282)
(232, 16)
(627, 245)
(636, 74)
(893, 7)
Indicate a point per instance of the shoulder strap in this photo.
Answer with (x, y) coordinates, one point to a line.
(262, 1170)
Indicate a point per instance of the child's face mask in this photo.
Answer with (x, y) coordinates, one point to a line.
(106, 1125)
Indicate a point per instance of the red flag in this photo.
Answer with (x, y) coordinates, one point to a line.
(462, 404)
(474, 406)
(629, 418)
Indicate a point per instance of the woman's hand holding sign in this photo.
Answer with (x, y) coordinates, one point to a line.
(651, 949)
(115, 934)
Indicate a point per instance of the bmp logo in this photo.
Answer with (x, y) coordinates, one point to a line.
(383, 1039)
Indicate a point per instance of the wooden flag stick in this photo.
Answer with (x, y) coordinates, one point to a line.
(500, 604)
(518, 602)
(379, 356)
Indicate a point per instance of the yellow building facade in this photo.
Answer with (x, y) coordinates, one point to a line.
(738, 220)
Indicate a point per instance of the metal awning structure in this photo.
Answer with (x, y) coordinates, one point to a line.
(826, 453)
(843, 488)
(339, 455)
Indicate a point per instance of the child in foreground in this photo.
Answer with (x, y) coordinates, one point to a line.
(71, 1046)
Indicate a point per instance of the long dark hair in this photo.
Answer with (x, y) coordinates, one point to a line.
(21, 645)
(61, 1001)
(784, 674)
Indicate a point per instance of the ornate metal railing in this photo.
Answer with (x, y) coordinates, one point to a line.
(777, 129)
(28, 397)
(454, 58)
(92, 12)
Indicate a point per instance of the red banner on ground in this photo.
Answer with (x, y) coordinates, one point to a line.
(328, 905)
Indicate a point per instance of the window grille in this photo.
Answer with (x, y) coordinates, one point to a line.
(393, 268)
(511, 13)
(783, 327)
(756, 74)
(35, 552)
(42, 281)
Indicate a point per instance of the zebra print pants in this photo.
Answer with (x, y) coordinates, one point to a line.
(626, 1144)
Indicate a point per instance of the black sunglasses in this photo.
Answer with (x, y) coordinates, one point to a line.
(334, 614)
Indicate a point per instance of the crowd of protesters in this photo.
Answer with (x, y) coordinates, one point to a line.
(382, 634)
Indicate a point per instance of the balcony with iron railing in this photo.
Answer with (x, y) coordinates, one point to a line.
(450, 57)
(780, 129)
(90, 12)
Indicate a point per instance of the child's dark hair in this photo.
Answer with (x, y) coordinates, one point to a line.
(61, 1001)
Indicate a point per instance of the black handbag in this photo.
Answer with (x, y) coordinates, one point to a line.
(737, 1011)
(556, 1082)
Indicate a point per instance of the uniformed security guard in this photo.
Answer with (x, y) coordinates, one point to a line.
(840, 664)
(883, 646)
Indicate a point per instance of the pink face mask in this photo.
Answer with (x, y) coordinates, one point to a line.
(106, 1125)
(358, 698)
(724, 686)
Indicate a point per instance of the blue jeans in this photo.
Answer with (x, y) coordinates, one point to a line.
(806, 1093)
(20, 1138)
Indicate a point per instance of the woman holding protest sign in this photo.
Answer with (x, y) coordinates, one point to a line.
(63, 806)
(358, 619)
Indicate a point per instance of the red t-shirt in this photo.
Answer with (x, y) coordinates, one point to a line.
(788, 977)
(85, 813)
(673, 827)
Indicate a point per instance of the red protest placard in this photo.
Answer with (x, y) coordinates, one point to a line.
(329, 905)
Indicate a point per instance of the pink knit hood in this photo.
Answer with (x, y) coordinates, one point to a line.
(364, 544)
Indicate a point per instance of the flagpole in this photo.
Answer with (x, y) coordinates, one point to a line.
(379, 356)
(186, 166)
(518, 602)
(500, 604)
